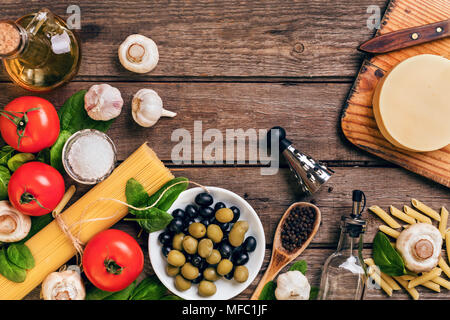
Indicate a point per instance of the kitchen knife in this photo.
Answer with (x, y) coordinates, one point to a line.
(407, 37)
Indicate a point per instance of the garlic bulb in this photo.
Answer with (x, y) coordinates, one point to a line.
(14, 226)
(420, 246)
(292, 285)
(103, 102)
(63, 285)
(138, 53)
(147, 108)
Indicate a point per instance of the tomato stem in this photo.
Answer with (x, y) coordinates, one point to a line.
(112, 266)
(27, 197)
(19, 122)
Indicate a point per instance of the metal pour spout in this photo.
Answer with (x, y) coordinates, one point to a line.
(310, 174)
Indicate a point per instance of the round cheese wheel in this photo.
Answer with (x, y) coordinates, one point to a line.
(411, 103)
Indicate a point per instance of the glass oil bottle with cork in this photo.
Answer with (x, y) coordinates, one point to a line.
(343, 274)
(39, 51)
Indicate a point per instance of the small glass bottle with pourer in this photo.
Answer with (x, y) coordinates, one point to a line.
(343, 275)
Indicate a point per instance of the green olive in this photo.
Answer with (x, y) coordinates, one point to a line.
(172, 271)
(190, 244)
(206, 288)
(214, 233)
(205, 248)
(237, 233)
(211, 274)
(240, 274)
(197, 230)
(177, 241)
(224, 267)
(224, 215)
(181, 283)
(176, 258)
(189, 271)
(214, 257)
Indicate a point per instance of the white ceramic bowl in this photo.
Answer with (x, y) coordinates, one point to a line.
(226, 289)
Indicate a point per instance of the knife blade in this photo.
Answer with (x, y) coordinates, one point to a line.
(407, 37)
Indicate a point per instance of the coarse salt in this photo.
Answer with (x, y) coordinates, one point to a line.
(91, 157)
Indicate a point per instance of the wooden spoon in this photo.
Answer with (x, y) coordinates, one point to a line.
(280, 256)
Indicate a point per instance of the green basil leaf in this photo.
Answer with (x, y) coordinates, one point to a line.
(300, 265)
(19, 159)
(386, 257)
(56, 150)
(44, 156)
(37, 224)
(170, 195)
(9, 270)
(313, 293)
(135, 194)
(153, 219)
(6, 153)
(268, 292)
(150, 288)
(20, 255)
(5, 175)
(94, 293)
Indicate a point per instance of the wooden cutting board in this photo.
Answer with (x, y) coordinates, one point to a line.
(358, 121)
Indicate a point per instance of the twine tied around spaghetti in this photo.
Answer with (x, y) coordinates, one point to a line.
(77, 243)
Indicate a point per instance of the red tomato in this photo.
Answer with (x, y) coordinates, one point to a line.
(112, 260)
(29, 124)
(35, 188)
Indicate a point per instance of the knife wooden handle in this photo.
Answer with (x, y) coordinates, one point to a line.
(407, 37)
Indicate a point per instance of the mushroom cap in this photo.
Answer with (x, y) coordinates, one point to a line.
(64, 285)
(14, 225)
(420, 246)
(138, 53)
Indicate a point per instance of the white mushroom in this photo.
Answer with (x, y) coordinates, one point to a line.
(147, 108)
(420, 246)
(103, 102)
(138, 53)
(14, 226)
(63, 285)
(292, 285)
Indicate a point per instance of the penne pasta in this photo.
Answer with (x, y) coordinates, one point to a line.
(376, 277)
(447, 244)
(444, 266)
(401, 215)
(412, 291)
(425, 277)
(442, 282)
(443, 223)
(426, 209)
(429, 284)
(387, 278)
(385, 217)
(389, 231)
(416, 215)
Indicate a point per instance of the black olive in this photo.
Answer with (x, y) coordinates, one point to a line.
(178, 213)
(203, 265)
(165, 250)
(236, 213)
(249, 244)
(219, 205)
(229, 275)
(206, 212)
(165, 238)
(204, 199)
(224, 226)
(176, 225)
(196, 260)
(205, 222)
(191, 211)
(198, 279)
(225, 250)
(241, 259)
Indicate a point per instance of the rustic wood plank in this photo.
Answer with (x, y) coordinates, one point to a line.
(358, 122)
(269, 38)
(309, 112)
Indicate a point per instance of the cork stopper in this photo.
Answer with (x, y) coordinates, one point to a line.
(9, 38)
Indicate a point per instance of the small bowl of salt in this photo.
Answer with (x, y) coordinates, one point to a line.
(89, 156)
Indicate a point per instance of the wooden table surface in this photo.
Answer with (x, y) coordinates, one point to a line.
(245, 64)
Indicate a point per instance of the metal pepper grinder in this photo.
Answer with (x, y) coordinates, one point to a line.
(310, 174)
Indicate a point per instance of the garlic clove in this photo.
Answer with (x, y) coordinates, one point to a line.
(14, 226)
(64, 285)
(147, 108)
(103, 102)
(138, 54)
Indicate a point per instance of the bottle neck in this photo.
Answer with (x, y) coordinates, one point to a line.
(348, 245)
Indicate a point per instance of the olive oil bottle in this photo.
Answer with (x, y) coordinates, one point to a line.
(39, 51)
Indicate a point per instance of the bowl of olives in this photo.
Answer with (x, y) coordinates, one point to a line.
(212, 249)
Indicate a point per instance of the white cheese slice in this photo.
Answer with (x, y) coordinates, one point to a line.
(412, 103)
